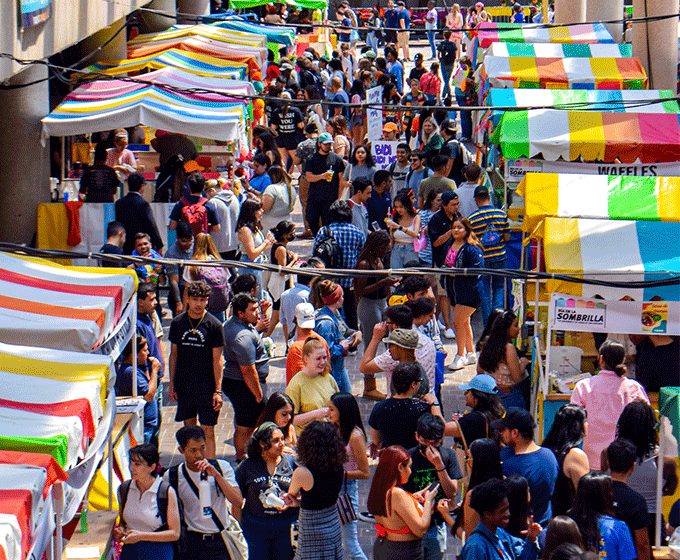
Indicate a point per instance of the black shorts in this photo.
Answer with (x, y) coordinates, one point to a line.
(190, 405)
(246, 409)
(390, 36)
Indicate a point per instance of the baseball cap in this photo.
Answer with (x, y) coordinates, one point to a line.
(286, 66)
(305, 315)
(121, 133)
(482, 382)
(449, 125)
(418, 56)
(448, 196)
(481, 192)
(325, 138)
(515, 419)
(406, 338)
(370, 54)
(191, 166)
(390, 127)
(401, 3)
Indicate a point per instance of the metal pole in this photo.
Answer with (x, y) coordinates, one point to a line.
(133, 341)
(659, 481)
(58, 501)
(111, 471)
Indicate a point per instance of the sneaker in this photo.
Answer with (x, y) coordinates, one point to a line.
(442, 326)
(459, 362)
(471, 357)
(448, 333)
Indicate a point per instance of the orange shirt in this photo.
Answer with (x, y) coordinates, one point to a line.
(294, 358)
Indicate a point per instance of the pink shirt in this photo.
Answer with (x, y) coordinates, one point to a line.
(604, 397)
(126, 156)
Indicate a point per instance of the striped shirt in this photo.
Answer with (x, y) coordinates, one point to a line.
(490, 217)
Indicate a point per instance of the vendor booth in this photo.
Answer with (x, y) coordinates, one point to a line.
(491, 32)
(213, 32)
(560, 50)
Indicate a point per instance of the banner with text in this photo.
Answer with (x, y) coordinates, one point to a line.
(573, 313)
(34, 12)
(515, 169)
(384, 152)
(374, 116)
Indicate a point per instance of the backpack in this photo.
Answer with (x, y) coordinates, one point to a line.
(218, 280)
(196, 215)
(447, 51)
(490, 237)
(328, 249)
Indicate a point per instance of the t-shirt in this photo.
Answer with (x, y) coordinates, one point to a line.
(399, 175)
(378, 206)
(423, 474)
(447, 52)
(426, 356)
(319, 164)
(466, 196)
(176, 214)
(260, 182)
(111, 249)
(657, 366)
(124, 389)
(256, 484)
(176, 252)
(416, 177)
(489, 217)
(616, 542)
(287, 124)
(396, 420)
(340, 97)
(245, 348)
(435, 182)
(438, 226)
(405, 17)
(294, 363)
(310, 393)
(99, 183)
(195, 343)
(344, 35)
(540, 468)
(417, 73)
(630, 507)
(474, 426)
(432, 15)
(391, 19)
(281, 195)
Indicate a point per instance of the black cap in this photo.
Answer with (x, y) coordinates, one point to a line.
(481, 192)
(418, 56)
(516, 419)
(449, 125)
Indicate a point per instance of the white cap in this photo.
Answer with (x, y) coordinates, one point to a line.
(305, 315)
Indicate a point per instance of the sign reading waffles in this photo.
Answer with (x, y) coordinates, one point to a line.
(573, 313)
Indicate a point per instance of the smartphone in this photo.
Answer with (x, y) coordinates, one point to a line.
(375, 226)
(432, 486)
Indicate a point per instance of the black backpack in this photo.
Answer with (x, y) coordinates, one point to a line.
(329, 250)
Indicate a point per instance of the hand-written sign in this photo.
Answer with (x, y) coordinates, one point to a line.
(384, 152)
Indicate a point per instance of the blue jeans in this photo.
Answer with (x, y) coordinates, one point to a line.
(339, 373)
(430, 37)
(267, 537)
(401, 254)
(350, 534)
(514, 398)
(372, 41)
(493, 289)
(465, 118)
(446, 78)
(434, 542)
(255, 272)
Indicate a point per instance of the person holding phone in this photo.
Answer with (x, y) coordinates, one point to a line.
(433, 465)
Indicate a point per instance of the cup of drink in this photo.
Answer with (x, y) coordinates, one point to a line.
(329, 176)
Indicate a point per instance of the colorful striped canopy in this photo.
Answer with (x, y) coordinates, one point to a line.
(196, 63)
(188, 80)
(560, 50)
(593, 136)
(213, 32)
(599, 196)
(642, 250)
(564, 73)
(94, 106)
(275, 33)
(526, 33)
(253, 57)
(617, 101)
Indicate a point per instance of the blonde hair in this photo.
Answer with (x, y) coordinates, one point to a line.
(435, 130)
(204, 247)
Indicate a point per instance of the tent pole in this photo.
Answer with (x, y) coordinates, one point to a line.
(58, 501)
(110, 471)
(659, 481)
(135, 373)
(63, 161)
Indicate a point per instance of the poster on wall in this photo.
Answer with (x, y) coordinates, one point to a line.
(34, 12)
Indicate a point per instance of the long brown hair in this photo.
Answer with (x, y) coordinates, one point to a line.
(470, 236)
(385, 478)
(204, 248)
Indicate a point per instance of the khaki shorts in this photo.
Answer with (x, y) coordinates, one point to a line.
(402, 38)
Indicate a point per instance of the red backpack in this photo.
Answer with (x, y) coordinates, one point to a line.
(196, 215)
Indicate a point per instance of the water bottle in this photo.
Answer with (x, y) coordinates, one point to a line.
(204, 495)
(83, 516)
(274, 501)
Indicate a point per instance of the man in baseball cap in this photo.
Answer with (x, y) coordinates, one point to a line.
(390, 132)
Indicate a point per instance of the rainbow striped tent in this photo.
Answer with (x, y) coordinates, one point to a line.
(275, 33)
(563, 73)
(560, 50)
(604, 197)
(213, 32)
(586, 33)
(593, 136)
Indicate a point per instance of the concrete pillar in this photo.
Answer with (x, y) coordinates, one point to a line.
(570, 11)
(656, 43)
(155, 22)
(24, 163)
(609, 10)
(193, 7)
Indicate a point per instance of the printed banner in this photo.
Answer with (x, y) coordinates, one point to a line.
(581, 314)
(515, 169)
(374, 116)
(34, 12)
(384, 152)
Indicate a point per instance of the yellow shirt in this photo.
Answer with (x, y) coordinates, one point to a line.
(309, 393)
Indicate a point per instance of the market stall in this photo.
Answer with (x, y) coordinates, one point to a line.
(491, 32)
(562, 73)
(279, 34)
(213, 32)
(560, 50)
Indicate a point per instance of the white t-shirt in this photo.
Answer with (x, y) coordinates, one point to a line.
(431, 14)
(193, 514)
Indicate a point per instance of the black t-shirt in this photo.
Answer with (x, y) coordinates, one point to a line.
(657, 366)
(423, 474)
(417, 73)
(630, 507)
(318, 164)
(256, 484)
(99, 183)
(194, 369)
(111, 249)
(438, 226)
(287, 124)
(396, 420)
(474, 426)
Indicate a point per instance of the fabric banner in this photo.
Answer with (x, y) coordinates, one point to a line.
(384, 152)
(34, 12)
(374, 114)
(581, 314)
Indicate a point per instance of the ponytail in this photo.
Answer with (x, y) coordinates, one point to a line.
(613, 355)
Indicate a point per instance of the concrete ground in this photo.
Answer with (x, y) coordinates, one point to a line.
(452, 397)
